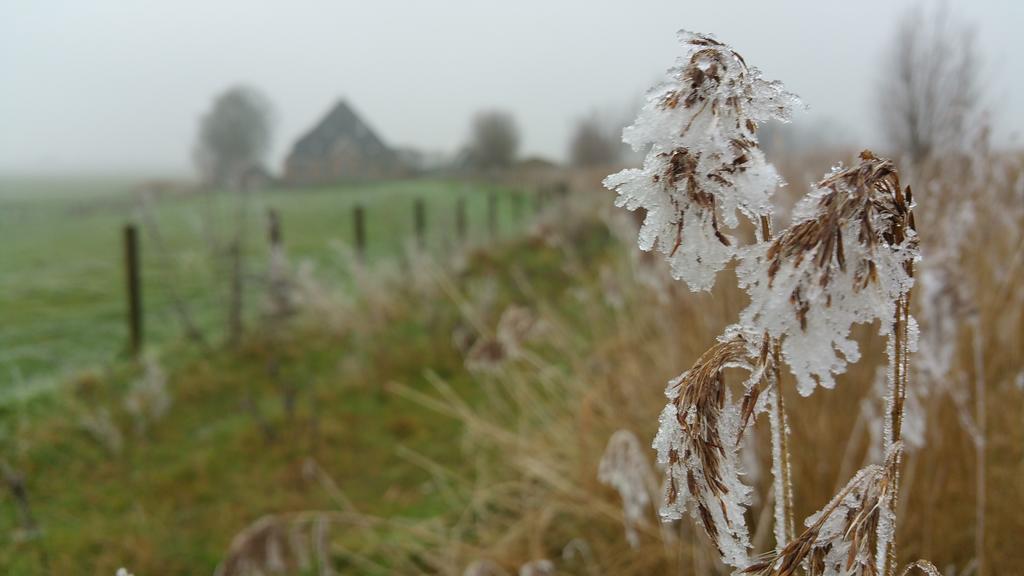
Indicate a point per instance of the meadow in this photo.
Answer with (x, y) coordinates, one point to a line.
(450, 415)
(167, 498)
(62, 291)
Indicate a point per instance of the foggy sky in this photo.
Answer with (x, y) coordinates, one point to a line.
(117, 85)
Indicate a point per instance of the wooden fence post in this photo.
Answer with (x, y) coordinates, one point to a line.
(273, 227)
(420, 221)
(277, 275)
(134, 286)
(359, 224)
(460, 219)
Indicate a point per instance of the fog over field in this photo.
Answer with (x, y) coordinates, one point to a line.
(115, 85)
(378, 288)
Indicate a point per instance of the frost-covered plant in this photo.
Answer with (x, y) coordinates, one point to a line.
(148, 401)
(516, 327)
(841, 539)
(703, 164)
(624, 467)
(698, 444)
(100, 425)
(542, 567)
(872, 410)
(847, 258)
(280, 544)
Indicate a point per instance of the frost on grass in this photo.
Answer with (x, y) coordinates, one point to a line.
(845, 260)
(698, 445)
(516, 328)
(703, 163)
(542, 567)
(844, 537)
(149, 400)
(624, 467)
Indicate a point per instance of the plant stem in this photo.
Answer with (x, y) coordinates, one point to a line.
(898, 380)
(979, 447)
(783, 485)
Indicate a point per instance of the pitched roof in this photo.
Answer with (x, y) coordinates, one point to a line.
(340, 122)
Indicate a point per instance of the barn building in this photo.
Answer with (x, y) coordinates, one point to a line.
(340, 148)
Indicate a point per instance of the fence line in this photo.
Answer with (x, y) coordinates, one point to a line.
(516, 201)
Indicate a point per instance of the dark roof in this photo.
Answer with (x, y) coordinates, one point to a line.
(340, 122)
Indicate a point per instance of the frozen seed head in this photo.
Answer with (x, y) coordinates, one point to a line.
(843, 538)
(867, 198)
(704, 163)
(542, 567)
(847, 259)
(516, 327)
(697, 443)
(921, 567)
(273, 543)
(625, 468)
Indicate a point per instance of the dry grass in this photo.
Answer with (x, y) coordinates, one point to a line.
(559, 379)
(539, 438)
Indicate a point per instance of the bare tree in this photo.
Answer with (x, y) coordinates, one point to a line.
(233, 136)
(931, 94)
(493, 140)
(595, 143)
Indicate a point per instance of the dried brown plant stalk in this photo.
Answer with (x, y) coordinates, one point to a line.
(862, 194)
(847, 259)
(699, 406)
(850, 520)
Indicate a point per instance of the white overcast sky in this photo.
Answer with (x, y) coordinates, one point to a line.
(116, 85)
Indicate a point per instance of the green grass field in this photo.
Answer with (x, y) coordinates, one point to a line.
(169, 500)
(62, 287)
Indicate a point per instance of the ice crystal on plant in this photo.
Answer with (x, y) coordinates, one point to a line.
(873, 410)
(698, 445)
(542, 567)
(149, 400)
(923, 566)
(703, 164)
(848, 535)
(780, 471)
(845, 260)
